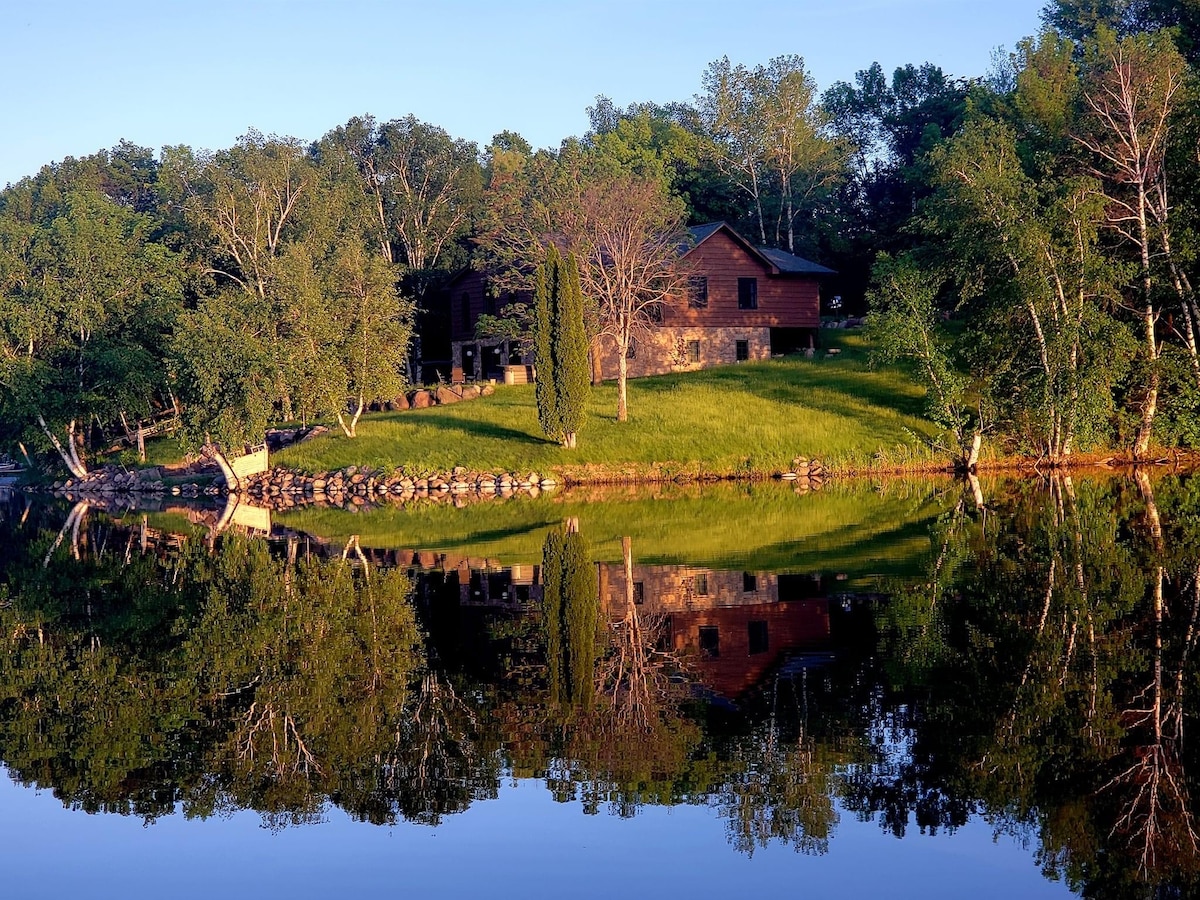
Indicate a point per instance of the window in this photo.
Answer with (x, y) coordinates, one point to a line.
(693, 351)
(742, 351)
(700, 584)
(747, 293)
(698, 292)
(665, 642)
(639, 592)
(631, 352)
(749, 583)
(757, 632)
(710, 640)
(466, 312)
(654, 312)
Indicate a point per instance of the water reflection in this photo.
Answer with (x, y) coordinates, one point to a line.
(1030, 662)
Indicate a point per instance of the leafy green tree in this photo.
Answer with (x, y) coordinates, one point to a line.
(892, 124)
(651, 139)
(905, 325)
(240, 205)
(88, 295)
(306, 307)
(772, 138)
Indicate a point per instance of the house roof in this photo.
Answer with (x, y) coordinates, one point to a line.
(779, 261)
(789, 262)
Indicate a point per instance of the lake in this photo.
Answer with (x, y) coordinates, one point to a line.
(876, 689)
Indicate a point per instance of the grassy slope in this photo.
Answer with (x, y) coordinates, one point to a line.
(850, 527)
(752, 416)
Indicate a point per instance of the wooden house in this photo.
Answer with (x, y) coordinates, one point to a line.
(742, 302)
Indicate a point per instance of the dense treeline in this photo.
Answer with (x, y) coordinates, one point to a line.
(1025, 240)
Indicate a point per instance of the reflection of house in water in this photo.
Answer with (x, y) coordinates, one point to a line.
(733, 626)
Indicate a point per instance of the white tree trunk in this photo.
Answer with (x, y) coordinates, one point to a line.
(232, 482)
(69, 457)
(622, 382)
(352, 429)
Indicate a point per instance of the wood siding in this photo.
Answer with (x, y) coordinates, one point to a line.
(784, 301)
(471, 288)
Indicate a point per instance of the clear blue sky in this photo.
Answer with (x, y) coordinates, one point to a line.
(80, 75)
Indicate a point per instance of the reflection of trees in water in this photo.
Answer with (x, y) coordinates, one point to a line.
(781, 786)
(1041, 674)
(1049, 686)
(217, 680)
(1156, 814)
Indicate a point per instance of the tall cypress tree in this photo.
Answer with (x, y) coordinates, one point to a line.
(560, 348)
(571, 372)
(571, 617)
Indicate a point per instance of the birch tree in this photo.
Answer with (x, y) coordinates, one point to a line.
(1129, 95)
(1030, 250)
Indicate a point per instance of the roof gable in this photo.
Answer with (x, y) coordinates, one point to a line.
(775, 261)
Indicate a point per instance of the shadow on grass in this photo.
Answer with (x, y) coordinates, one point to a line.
(483, 429)
(793, 381)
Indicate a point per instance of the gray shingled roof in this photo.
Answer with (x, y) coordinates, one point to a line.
(781, 259)
(700, 233)
(789, 262)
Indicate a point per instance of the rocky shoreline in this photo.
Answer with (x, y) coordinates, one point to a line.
(355, 486)
(361, 485)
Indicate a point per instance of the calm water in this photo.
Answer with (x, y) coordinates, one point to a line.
(874, 690)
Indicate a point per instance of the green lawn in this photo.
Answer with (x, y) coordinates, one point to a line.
(739, 418)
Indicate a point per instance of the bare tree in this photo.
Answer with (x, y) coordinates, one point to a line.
(627, 239)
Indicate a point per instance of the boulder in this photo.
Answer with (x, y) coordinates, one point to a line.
(486, 390)
(420, 399)
(315, 431)
(400, 402)
(446, 395)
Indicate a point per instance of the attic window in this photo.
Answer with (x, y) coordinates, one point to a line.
(747, 293)
(698, 292)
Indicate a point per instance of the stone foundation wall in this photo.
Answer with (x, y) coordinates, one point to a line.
(671, 349)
